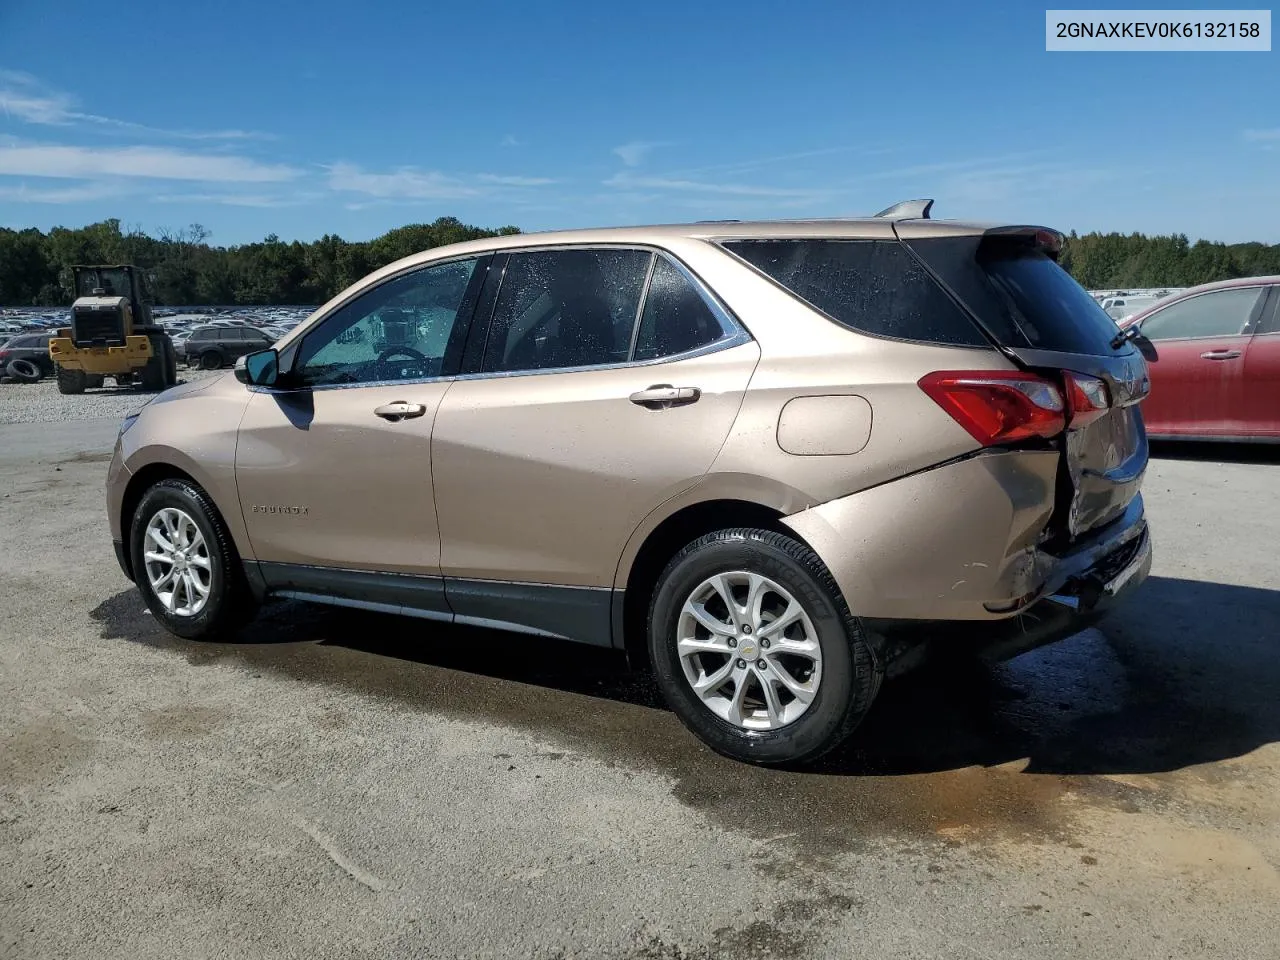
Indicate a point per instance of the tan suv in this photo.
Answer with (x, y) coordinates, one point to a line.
(758, 453)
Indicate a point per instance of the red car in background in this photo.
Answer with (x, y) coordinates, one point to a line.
(1217, 374)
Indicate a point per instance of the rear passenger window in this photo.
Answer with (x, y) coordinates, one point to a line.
(873, 286)
(676, 318)
(566, 308)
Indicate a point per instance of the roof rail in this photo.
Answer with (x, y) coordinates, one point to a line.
(907, 210)
(717, 221)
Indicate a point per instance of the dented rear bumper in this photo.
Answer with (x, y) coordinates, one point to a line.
(962, 542)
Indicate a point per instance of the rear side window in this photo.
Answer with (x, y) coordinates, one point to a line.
(872, 286)
(566, 308)
(676, 318)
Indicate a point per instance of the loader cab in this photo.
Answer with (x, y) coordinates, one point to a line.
(111, 303)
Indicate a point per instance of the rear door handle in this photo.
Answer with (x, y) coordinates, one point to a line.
(399, 410)
(1220, 355)
(663, 395)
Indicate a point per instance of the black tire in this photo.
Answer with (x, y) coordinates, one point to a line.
(71, 381)
(153, 374)
(850, 675)
(211, 360)
(94, 381)
(24, 371)
(231, 604)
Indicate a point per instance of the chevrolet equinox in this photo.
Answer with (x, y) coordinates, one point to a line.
(773, 458)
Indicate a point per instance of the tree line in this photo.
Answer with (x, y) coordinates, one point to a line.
(35, 267)
(187, 269)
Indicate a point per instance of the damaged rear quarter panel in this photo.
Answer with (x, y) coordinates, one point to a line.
(939, 544)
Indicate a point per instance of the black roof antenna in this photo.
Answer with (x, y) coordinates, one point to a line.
(907, 210)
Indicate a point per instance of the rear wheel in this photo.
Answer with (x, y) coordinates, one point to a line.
(211, 360)
(153, 374)
(71, 381)
(186, 564)
(170, 363)
(755, 649)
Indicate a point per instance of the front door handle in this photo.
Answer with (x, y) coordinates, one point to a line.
(1220, 355)
(399, 410)
(663, 395)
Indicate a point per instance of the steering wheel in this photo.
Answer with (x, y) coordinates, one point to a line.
(409, 352)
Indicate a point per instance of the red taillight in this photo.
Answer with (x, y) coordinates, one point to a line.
(1087, 398)
(998, 407)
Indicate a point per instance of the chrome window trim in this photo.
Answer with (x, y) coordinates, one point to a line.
(737, 340)
(738, 335)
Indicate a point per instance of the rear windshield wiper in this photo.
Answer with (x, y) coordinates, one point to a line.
(1124, 336)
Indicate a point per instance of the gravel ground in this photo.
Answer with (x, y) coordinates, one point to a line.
(349, 785)
(42, 403)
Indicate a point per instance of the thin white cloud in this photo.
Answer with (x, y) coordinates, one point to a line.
(85, 193)
(634, 153)
(1262, 136)
(631, 182)
(947, 166)
(261, 200)
(413, 183)
(403, 182)
(510, 140)
(25, 99)
(508, 181)
(161, 163)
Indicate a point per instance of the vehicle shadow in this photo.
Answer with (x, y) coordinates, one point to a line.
(1212, 452)
(1185, 673)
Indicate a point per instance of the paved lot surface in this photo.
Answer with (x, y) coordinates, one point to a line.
(344, 785)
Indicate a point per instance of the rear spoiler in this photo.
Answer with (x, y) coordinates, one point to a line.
(1044, 239)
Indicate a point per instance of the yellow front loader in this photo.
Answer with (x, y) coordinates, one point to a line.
(112, 334)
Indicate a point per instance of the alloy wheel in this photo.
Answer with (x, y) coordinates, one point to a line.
(177, 562)
(749, 651)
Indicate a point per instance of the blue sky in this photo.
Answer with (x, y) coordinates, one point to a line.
(305, 118)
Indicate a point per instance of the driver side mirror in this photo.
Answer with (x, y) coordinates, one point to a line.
(258, 369)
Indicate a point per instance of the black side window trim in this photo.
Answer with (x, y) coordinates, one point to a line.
(1270, 317)
(477, 341)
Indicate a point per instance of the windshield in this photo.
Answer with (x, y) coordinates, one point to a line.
(114, 282)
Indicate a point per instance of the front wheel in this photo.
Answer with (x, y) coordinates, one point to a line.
(186, 564)
(755, 649)
(212, 360)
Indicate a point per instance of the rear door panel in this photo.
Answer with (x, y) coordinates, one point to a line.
(542, 477)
